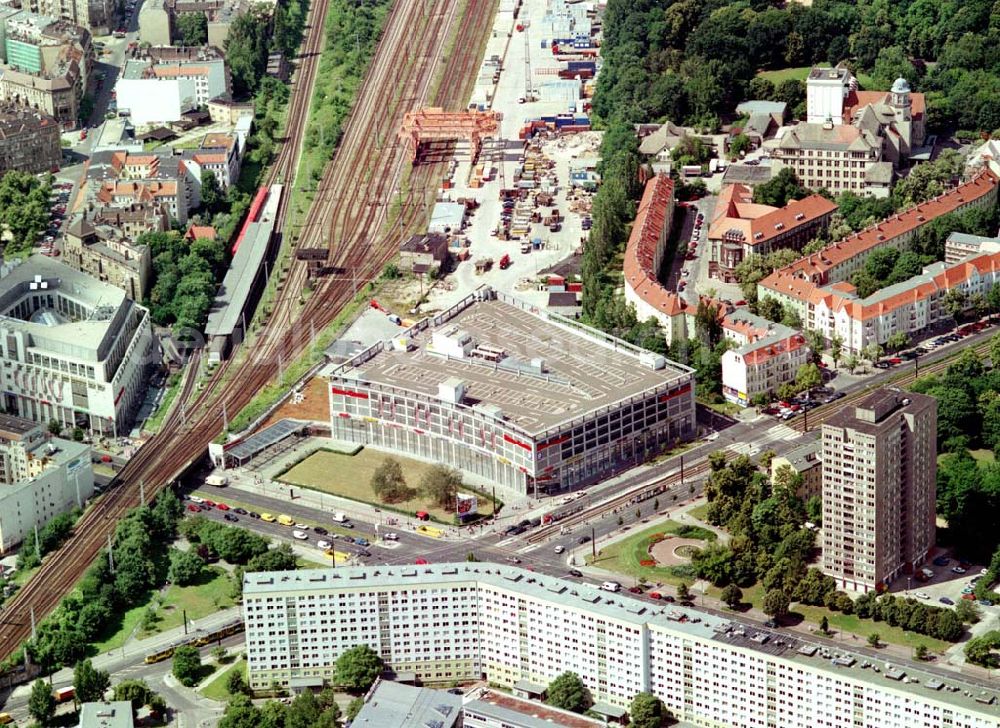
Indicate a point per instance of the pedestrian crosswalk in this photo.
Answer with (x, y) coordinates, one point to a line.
(777, 433)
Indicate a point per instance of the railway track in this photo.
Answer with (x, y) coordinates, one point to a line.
(348, 216)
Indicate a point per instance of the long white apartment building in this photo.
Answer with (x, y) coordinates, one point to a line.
(73, 349)
(472, 621)
(40, 477)
(528, 400)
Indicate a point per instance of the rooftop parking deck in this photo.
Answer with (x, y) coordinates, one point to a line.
(538, 369)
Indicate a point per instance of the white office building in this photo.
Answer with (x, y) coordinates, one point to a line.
(472, 621)
(40, 477)
(74, 349)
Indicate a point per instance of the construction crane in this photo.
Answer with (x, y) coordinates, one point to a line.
(436, 124)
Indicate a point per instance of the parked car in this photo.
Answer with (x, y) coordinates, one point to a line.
(222, 506)
(583, 539)
(941, 561)
(194, 508)
(267, 517)
(320, 530)
(391, 537)
(230, 517)
(957, 570)
(300, 535)
(253, 514)
(923, 595)
(559, 549)
(575, 572)
(323, 544)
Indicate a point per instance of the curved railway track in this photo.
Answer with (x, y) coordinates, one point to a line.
(348, 215)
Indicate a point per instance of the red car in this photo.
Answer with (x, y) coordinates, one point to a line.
(208, 504)
(222, 506)
(193, 508)
(654, 595)
(635, 590)
(970, 597)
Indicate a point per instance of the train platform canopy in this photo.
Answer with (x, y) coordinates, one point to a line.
(230, 301)
(244, 450)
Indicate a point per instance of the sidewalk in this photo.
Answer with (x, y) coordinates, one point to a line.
(133, 649)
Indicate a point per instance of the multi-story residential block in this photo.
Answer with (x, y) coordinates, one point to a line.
(806, 461)
(47, 65)
(476, 621)
(134, 220)
(220, 154)
(644, 259)
(852, 140)
(159, 87)
(959, 246)
(740, 228)
(795, 284)
(769, 356)
(40, 477)
(528, 400)
(879, 471)
(108, 255)
(29, 141)
(74, 349)
(122, 179)
(94, 15)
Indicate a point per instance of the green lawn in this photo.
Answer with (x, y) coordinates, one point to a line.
(981, 456)
(699, 513)
(350, 475)
(846, 623)
(216, 690)
(783, 74)
(209, 595)
(625, 556)
(199, 600)
(800, 73)
(156, 419)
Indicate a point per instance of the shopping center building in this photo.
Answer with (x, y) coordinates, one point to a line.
(527, 400)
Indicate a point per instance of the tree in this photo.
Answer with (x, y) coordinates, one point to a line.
(55, 427)
(874, 638)
(246, 51)
(42, 703)
(212, 195)
(646, 711)
(388, 482)
(187, 665)
(954, 301)
(824, 625)
(683, 591)
(779, 190)
(739, 145)
(236, 683)
(303, 711)
(89, 684)
(808, 377)
(851, 363)
(357, 668)
(920, 652)
(193, 29)
(280, 558)
(135, 691)
(814, 510)
(185, 567)
(967, 611)
(440, 483)
(872, 352)
(776, 603)
(568, 692)
(897, 341)
(732, 595)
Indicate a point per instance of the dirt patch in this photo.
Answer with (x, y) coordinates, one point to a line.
(666, 551)
(315, 404)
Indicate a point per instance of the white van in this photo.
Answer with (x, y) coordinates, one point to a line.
(340, 518)
(611, 586)
(217, 480)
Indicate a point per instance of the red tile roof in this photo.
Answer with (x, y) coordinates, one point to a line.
(640, 253)
(757, 224)
(769, 351)
(197, 232)
(817, 266)
(856, 100)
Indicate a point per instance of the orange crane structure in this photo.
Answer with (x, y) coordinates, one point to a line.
(436, 124)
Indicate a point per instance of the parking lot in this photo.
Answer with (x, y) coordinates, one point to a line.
(952, 581)
(58, 202)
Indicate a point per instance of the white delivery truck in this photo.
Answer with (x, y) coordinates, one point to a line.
(217, 480)
(340, 517)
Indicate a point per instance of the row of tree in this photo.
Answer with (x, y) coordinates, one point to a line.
(184, 277)
(50, 537)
